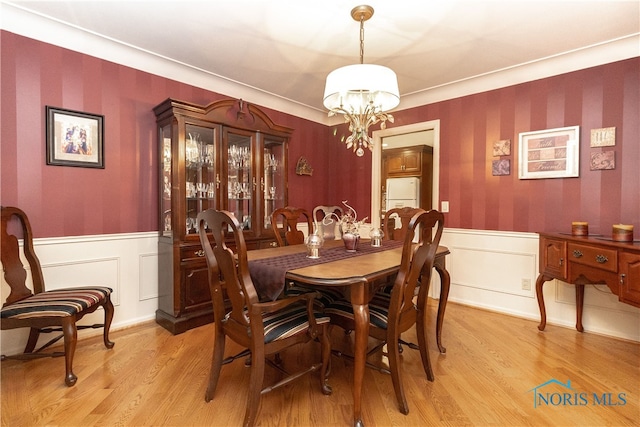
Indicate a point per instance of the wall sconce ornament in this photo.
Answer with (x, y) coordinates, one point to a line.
(303, 167)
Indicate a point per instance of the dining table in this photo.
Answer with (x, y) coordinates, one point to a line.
(360, 274)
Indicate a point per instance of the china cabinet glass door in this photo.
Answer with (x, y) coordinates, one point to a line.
(273, 180)
(201, 180)
(240, 177)
(165, 191)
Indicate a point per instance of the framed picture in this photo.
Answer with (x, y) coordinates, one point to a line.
(501, 167)
(74, 138)
(502, 148)
(604, 137)
(604, 160)
(551, 153)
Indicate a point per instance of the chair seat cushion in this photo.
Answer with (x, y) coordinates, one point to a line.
(287, 322)
(378, 311)
(325, 295)
(56, 303)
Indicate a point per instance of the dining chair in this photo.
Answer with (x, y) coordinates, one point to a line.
(324, 217)
(289, 217)
(389, 318)
(392, 216)
(263, 328)
(395, 227)
(41, 310)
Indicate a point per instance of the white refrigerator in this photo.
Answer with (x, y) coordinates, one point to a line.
(403, 192)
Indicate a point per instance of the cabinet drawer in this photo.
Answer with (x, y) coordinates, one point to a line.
(190, 253)
(596, 257)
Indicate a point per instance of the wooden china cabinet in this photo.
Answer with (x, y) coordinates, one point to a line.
(225, 155)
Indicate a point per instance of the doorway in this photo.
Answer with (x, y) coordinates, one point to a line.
(376, 159)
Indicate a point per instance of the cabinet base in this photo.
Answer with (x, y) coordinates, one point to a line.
(178, 325)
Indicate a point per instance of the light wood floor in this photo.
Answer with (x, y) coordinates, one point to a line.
(493, 362)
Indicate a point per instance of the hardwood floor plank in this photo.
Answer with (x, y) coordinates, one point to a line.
(486, 378)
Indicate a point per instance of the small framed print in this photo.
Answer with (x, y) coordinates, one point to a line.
(604, 137)
(604, 160)
(551, 153)
(502, 148)
(501, 167)
(74, 138)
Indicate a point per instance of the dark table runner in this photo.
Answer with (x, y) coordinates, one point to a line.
(268, 274)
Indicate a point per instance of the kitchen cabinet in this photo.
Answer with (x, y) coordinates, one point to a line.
(226, 155)
(405, 162)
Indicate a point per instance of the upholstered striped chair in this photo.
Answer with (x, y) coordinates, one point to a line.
(395, 227)
(289, 218)
(40, 310)
(390, 317)
(263, 328)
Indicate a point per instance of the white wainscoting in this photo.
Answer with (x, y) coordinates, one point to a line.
(486, 267)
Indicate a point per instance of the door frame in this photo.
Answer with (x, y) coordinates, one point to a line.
(376, 163)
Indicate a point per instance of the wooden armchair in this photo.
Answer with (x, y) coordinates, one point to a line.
(44, 311)
(390, 317)
(289, 217)
(403, 215)
(322, 215)
(263, 328)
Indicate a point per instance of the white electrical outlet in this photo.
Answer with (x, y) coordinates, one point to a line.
(444, 206)
(526, 284)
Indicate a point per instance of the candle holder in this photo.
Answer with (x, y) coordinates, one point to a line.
(314, 243)
(376, 237)
(622, 233)
(580, 228)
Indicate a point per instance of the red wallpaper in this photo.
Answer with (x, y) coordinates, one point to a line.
(604, 96)
(65, 201)
(122, 197)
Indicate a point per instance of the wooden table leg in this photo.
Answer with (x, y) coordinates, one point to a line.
(421, 327)
(543, 313)
(579, 306)
(360, 303)
(445, 284)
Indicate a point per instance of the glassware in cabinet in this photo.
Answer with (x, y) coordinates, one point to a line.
(274, 179)
(240, 175)
(201, 178)
(166, 181)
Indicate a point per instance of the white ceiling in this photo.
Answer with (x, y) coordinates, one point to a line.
(278, 53)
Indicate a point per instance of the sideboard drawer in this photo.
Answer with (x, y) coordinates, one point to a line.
(592, 256)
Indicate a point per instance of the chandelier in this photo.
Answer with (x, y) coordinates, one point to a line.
(362, 93)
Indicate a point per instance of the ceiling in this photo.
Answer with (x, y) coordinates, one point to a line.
(283, 50)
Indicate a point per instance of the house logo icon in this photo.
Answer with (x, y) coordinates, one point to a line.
(555, 398)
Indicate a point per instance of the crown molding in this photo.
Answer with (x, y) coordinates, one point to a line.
(45, 29)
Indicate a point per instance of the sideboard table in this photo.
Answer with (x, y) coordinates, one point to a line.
(591, 260)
